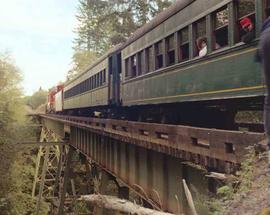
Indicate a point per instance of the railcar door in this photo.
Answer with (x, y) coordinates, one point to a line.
(115, 72)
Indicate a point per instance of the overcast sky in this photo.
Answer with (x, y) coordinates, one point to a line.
(38, 34)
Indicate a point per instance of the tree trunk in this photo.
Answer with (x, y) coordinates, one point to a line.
(121, 205)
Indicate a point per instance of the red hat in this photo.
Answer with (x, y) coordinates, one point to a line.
(245, 22)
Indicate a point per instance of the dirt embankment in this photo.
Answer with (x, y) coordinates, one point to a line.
(255, 198)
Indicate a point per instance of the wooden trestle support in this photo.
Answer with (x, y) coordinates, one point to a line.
(53, 180)
(49, 180)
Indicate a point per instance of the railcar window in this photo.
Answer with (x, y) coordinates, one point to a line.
(88, 84)
(104, 76)
(200, 32)
(91, 86)
(94, 82)
(139, 59)
(159, 55)
(267, 8)
(183, 42)
(148, 59)
(97, 82)
(245, 8)
(97, 79)
(127, 68)
(83, 86)
(101, 77)
(221, 21)
(170, 50)
(133, 62)
(79, 88)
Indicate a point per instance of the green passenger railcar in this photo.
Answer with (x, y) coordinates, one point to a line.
(161, 63)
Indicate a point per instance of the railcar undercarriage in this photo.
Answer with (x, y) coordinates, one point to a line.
(220, 114)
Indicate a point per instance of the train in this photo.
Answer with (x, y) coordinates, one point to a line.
(158, 76)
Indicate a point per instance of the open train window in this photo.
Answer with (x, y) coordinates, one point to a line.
(94, 82)
(267, 8)
(245, 9)
(100, 78)
(126, 68)
(170, 50)
(148, 59)
(183, 42)
(221, 21)
(133, 62)
(139, 59)
(200, 32)
(104, 76)
(97, 81)
(159, 55)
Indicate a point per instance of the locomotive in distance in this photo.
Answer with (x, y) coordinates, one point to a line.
(157, 75)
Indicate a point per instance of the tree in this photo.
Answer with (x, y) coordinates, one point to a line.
(37, 99)
(15, 169)
(10, 94)
(80, 60)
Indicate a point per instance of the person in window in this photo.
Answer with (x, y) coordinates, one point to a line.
(202, 46)
(248, 27)
(264, 51)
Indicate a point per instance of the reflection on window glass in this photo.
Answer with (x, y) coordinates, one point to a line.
(245, 7)
(184, 35)
(126, 67)
(221, 28)
(221, 18)
(139, 63)
(133, 65)
(267, 8)
(200, 28)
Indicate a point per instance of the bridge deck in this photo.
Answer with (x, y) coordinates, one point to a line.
(209, 147)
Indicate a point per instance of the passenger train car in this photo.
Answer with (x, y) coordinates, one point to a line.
(158, 76)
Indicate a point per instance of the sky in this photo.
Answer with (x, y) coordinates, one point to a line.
(38, 34)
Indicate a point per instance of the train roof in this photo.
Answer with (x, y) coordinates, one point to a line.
(158, 19)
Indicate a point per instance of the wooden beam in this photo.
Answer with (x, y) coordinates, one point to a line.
(38, 144)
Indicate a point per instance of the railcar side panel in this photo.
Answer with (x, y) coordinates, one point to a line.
(231, 75)
(94, 97)
(97, 97)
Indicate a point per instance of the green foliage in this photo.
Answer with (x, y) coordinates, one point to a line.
(226, 191)
(81, 59)
(37, 99)
(10, 96)
(249, 116)
(16, 169)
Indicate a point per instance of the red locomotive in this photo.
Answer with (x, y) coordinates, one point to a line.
(55, 99)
